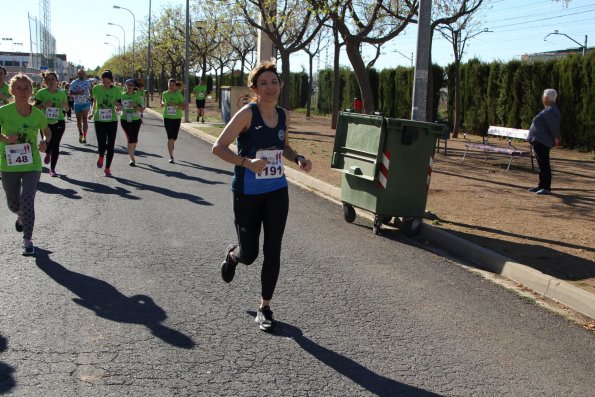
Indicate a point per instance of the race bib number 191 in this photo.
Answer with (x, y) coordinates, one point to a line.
(274, 169)
(19, 154)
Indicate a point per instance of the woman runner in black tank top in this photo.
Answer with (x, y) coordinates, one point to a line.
(260, 196)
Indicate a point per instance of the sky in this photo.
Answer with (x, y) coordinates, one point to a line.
(515, 27)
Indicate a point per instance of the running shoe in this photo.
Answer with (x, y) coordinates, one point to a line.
(53, 173)
(228, 267)
(100, 162)
(84, 137)
(28, 248)
(18, 225)
(132, 163)
(264, 318)
(171, 160)
(107, 172)
(46, 159)
(81, 139)
(534, 189)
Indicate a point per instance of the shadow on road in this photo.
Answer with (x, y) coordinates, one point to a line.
(161, 190)
(100, 188)
(7, 382)
(371, 381)
(574, 268)
(179, 175)
(109, 303)
(204, 168)
(53, 189)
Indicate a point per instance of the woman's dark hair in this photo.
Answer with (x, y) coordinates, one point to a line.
(107, 74)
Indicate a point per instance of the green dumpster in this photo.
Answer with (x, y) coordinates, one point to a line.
(386, 165)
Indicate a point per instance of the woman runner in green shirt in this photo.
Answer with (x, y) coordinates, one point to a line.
(106, 102)
(20, 162)
(52, 101)
(172, 102)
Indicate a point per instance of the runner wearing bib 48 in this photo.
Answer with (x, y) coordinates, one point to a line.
(260, 197)
(20, 162)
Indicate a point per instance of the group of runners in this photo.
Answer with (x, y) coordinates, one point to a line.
(259, 186)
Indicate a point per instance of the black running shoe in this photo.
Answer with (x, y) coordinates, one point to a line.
(28, 248)
(19, 225)
(228, 267)
(264, 318)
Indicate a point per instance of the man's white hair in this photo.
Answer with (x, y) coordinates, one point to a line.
(551, 94)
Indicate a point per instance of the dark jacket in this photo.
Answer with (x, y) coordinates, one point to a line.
(545, 127)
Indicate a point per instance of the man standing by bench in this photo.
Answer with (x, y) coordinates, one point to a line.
(544, 133)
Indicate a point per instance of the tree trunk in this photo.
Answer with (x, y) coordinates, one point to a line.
(219, 85)
(309, 99)
(336, 80)
(457, 113)
(285, 75)
(361, 74)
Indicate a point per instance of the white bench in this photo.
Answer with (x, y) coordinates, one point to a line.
(510, 150)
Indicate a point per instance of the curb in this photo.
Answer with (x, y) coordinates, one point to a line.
(541, 283)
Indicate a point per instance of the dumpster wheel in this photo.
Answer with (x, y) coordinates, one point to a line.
(348, 212)
(378, 221)
(410, 226)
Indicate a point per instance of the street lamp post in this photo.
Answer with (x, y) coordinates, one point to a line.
(564, 34)
(133, 33)
(187, 63)
(148, 76)
(116, 37)
(115, 50)
(123, 33)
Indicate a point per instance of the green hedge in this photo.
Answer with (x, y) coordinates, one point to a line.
(509, 94)
(393, 89)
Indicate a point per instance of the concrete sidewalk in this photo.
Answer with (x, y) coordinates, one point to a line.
(561, 291)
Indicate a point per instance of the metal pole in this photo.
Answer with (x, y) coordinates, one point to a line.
(148, 76)
(123, 33)
(422, 62)
(585, 46)
(133, 34)
(187, 62)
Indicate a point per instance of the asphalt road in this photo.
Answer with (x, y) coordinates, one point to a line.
(124, 298)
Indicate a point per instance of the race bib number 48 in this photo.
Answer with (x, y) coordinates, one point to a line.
(19, 154)
(274, 168)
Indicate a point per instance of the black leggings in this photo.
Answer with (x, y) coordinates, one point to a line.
(250, 212)
(54, 144)
(106, 139)
(542, 154)
(131, 129)
(172, 127)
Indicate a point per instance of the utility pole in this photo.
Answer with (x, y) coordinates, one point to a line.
(187, 63)
(422, 62)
